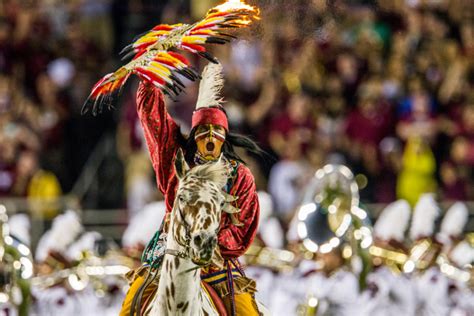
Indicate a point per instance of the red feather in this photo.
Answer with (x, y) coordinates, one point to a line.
(193, 47)
(216, 14)
(164, 61)
(140, 53)
(205, 26)
(180, 57)
(151, 76)
(162, 27)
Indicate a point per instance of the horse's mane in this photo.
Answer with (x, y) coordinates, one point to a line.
(216, 172)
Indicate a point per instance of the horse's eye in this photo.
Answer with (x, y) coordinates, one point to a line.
(222, 204)
(181, 199)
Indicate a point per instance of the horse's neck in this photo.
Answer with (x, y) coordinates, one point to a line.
(180, 281)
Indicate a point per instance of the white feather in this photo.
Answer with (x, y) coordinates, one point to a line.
(424, 216)
(272, 233)
(393, 221)
(454, 220)
(210, 87)
(144, 224)
(20, 227)
(266, 205)
(86, 243)
(462, 254)
(66, 227)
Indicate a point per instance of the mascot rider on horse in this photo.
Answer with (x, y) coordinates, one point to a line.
(208, 140)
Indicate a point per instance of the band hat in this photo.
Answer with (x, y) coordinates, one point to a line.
(213, 116)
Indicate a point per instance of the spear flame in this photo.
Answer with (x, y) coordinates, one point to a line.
(237, 6)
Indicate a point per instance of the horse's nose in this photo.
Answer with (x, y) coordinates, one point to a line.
(211, 243)
(205, 241)
(198, 239)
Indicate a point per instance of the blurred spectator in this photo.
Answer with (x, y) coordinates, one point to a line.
(6, 48)
(417, 174)
(417, 117)
(366, 126)
(40, 186)
(295, 124)
(96, 22)
(286, 181)
(390, 165)
(462, 150)
(454, 187)
(139, 187)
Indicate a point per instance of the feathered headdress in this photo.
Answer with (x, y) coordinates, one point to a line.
(209, 102)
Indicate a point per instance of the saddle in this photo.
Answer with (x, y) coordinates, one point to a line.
(218, 303)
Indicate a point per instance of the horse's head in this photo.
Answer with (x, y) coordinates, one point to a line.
(200, 201)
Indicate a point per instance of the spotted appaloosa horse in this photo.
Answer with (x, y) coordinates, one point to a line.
(192, 239)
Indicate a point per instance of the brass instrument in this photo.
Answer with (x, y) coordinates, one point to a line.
(334, 230)
(448, 267)
(16, 268)
(91, 269)
(275, 259)
(330, 216)
(422, 255)
(388, 255)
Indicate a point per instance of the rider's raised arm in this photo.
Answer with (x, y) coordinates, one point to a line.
(235, 240)
(161, 132)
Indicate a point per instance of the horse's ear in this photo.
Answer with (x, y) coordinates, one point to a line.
(180, 164)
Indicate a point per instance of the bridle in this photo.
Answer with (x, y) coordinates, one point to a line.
(183, 254)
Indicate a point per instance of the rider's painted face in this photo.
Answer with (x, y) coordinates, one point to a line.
(209, 139)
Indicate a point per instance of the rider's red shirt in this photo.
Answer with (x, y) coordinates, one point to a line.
(161, 134)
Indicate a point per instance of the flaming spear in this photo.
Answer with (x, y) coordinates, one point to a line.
(155, 62)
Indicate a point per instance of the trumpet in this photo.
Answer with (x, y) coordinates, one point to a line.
(91, 269)
(279, 260)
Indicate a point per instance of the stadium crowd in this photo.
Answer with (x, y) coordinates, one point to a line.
(385, 87)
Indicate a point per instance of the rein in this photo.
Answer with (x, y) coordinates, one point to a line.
(183, 254)
(177, 253)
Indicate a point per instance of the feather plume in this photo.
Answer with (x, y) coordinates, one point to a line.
(424, 216)
(210, 87)
(20, 227)
(66, 227)
(144, 224)
(462, 254)
(86, 243)
(266, 205)
(155, 61)
(393, 221)
(454, 220)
